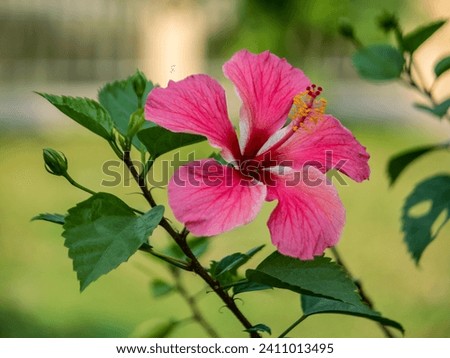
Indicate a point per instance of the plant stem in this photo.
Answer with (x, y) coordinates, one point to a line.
(292, 326)
(190, 300)
(363, 294)
(180, 239)
(79, 186)
(171, 260)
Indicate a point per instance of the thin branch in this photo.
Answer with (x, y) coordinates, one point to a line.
(180, 239)
(363, 294)
(191, 301)
(292, 326)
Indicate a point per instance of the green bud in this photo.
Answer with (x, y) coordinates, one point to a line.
(388, 21)
(135, 123)
(346, 29)
(139, 83)
(55, 162)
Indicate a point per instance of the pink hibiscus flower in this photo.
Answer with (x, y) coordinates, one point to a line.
(271, 160)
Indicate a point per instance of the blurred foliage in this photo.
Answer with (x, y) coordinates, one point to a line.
(295, 29)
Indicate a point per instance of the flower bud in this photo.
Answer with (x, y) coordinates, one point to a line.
(346, 29)
(388, 22)
(55, 162)
(135, 123)
(139, 83)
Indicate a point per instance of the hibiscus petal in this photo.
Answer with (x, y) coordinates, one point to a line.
(325, 144)
(194, 105)
(210, 198)
(309, 216)
(266, 85)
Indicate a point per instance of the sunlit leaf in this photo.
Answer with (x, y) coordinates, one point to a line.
(84, 111)
(379, 62)
(419, 229)
(319, 277)
(102, 232)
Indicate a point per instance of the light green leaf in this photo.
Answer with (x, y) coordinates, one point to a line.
(318, 277)
(121, 101)
(53, 218)
(399, 162)
(160, 288)
(315, 305)
(102, 232)
(442, 66)
(379, 62)
(84, 111)
(412, 41)
(158, 140)
(419, 228)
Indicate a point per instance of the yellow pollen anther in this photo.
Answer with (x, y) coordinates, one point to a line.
(306, 105)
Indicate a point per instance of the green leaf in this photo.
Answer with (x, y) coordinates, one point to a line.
(259, 328)
(379, 62)
(53, 218)
(439, 110)
(87, 112)
(442, 66)
(158, 140)
(249, 286)
(315, 305)
(412, 41)
(419, 229)
(218, 158)
(318, 277)
(232, 262)
(102, 232)
(121, 101)
(160, 288)
(398, 163)
(198, 246)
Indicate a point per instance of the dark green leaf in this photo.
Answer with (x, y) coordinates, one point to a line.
(439, 110)
(121, 101)
(160, 288)
(232, 262)
(399, 162)
(103, 232)
(53, 218)
(198, 246)
(314, 305)
(413, 40)
(259, 328)
(442, 66)
(158, 140)
(84, 111)
(419, 231)
(379, 62)
(318, 277)
(249, 286)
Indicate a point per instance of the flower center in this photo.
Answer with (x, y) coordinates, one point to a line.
(307, 106)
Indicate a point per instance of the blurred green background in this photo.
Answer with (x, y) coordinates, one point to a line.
(72, 48)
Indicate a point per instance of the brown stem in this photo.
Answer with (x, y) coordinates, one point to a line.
(190, 300)
(180, 239)
(363, 294)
